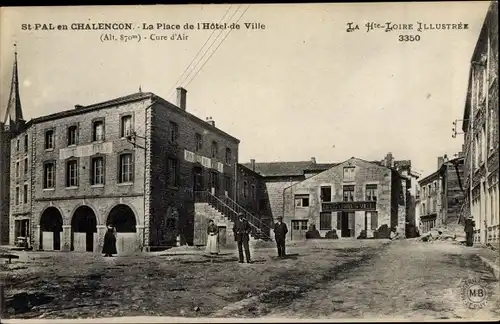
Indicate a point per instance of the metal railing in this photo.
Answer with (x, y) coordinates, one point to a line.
(231, 210)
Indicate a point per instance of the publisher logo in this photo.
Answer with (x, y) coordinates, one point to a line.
(474, 293)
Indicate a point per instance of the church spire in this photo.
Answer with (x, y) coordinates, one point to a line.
(14, 114)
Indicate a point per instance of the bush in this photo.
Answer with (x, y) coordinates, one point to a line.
(332, 235)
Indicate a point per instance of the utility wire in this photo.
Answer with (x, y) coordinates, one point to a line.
(189, 65)
(217, 47)
(211, 45)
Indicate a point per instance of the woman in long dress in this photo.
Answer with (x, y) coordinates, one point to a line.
(213, 238)
(109, 246)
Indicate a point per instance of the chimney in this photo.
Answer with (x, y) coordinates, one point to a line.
(389, 161)
(252, 164)
(445, 158)
(313, 160)
(211, 121)
(440, 161)
(181, 98)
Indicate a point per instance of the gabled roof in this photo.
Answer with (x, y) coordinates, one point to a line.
(281, 169)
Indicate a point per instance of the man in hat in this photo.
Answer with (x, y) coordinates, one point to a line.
(280, 231)
(242, 231)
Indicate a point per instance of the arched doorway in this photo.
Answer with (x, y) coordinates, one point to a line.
(123, 219)
(83, 230)
(50, 229)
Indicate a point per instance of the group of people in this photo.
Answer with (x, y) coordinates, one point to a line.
(241, 231)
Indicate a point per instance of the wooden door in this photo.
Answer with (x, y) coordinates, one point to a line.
(299, 229)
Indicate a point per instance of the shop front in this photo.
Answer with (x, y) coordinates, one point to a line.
(351, 218)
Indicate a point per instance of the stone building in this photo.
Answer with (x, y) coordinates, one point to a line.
(134, 162)
(441, 195)
(480, 127)
(276, 176)
(282, 179)
(350, 197)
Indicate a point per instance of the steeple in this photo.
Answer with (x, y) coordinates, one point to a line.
(14, 113)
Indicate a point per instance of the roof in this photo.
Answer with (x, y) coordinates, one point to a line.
(83, 109)
(280, 169)
(298, 168)
(320, 167)
(441, 169)
(247, 169)
(139, 96)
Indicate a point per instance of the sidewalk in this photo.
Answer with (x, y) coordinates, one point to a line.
(490, 259)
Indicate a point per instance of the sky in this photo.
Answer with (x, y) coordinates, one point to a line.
(302, 87)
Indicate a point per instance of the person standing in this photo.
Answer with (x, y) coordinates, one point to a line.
(109, 246)
(469, 231)
(213, 238)
(280, 231)
(242, 231)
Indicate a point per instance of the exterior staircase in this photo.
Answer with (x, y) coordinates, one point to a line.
(223, 209)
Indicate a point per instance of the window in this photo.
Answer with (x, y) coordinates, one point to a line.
(72, 173)
(26, 143)
(173, 174)
(371, 192)
(98, 131)
(174, 132)
(72, 135)
(349, 174)
(49, 175)
(17, 145)
(26, 166)
(97, 169)
(245, 189)
(298, 225)
(435, 186)
(492, 129)
(325, 221)
(49, 139)
(25, 194)
(126, 168)
(301, 200)
(348, 193)
(429, 189)
(254, 192)
(199, 141)
(215, 149)
(423, 191)
(326, 194)
(17, 169)
(434, 205)
(229, 155)
(126, 126)
(484, 151)
(17, 195)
